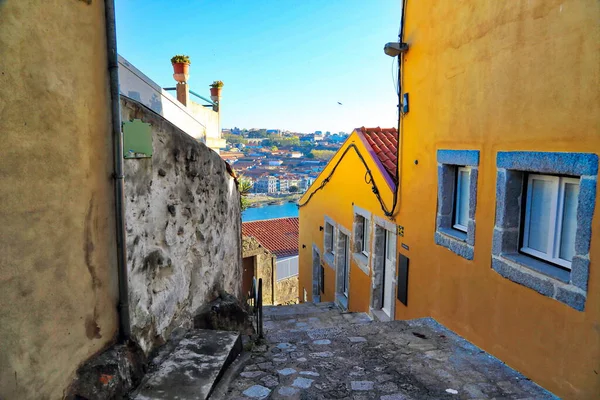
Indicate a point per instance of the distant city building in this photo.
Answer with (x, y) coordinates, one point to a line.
(267, 184)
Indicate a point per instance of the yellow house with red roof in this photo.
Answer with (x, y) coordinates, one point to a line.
(347, 241)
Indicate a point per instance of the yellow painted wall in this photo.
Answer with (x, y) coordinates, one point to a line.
(58, 288)
(500, 76)
(347, 186)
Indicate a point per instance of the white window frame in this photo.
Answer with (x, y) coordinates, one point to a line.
(555, 223)
(330, 247)
(458, 198)
(365, 236)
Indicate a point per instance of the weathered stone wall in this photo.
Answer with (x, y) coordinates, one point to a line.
(183, 229)
(286, 291)
(58, 265)
(265, 261)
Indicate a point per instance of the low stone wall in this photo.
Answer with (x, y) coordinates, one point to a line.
(183, 229)
(286, 291)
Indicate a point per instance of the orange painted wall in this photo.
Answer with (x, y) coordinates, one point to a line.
(345, 188)
(499, 76)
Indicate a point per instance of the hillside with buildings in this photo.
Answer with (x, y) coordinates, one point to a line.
(279, 164)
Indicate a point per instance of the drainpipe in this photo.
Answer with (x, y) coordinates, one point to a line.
(113, 71)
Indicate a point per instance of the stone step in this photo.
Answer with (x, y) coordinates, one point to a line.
(192, 369)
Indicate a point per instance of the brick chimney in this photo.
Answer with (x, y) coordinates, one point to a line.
(183, 93)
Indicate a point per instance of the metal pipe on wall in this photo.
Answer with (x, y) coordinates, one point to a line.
(113, 71)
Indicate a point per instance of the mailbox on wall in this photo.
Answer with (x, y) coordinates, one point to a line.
(402, 281)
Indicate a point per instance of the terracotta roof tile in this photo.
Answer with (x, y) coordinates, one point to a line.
(278, 235)
(384, 144)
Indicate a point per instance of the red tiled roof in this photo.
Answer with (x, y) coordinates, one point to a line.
(278, 235)
(384, 143)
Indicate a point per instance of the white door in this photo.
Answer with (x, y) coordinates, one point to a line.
(346, 264)
(389, 272)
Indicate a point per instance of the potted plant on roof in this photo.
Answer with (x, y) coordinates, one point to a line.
(215, 88)
(181, 67)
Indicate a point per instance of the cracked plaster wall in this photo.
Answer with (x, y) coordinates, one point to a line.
(183, 229)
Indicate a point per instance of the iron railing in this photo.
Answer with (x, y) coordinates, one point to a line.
(256, 304)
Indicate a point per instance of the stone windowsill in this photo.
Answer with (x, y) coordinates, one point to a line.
(518, 268)
(329, 260)
(453, 233)
(455, 241)
(361, 261)
(539, 266)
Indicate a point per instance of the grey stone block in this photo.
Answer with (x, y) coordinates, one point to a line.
(458, 157)
(509, 187)
(585, 213)
(444, 221)
(505, 242)
(458, 247)
(518, 275)
(549, 162)
(571, 297)
(471, 233)
(473, 192)
(580, 269)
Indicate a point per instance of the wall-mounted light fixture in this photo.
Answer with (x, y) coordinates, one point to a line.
(320, 228)
(303, 246)
(394, 49)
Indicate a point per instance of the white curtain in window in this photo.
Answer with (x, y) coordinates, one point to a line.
(541, 209)
(569, 221)
(462, 209)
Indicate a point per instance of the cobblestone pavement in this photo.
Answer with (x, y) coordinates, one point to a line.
(316, 352)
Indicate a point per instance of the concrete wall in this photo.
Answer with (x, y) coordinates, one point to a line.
(336, 201)
(499, 76)
(58, 278)
(183, 229)
(195, 120)
(212, 121)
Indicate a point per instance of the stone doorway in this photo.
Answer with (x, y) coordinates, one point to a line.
(317, 284)
(248, 266)
(342, 269)
(383, 285)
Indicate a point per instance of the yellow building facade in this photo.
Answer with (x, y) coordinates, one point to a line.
(498, 212)
(343, 223)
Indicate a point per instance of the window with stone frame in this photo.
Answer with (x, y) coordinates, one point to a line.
(457, 201)
(329, 238)
(329, 241)
(544, 208)
(361, 238)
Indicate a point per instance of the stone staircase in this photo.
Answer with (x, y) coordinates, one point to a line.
(315, 351)
(189, 366)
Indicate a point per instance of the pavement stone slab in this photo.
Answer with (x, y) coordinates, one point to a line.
(303, 383)
(349, 356)
(257, 392)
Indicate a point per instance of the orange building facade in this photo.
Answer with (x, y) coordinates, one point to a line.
(497, 217)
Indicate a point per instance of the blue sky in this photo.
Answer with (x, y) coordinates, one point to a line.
(285, 64)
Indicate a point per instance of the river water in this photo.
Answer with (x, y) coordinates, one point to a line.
(268, 212)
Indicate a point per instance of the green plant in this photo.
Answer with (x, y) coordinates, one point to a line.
(244, 187)
(293, 189)
(180, 59)
(217, 84)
